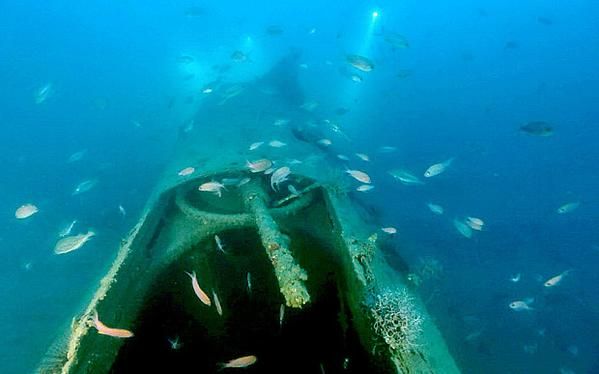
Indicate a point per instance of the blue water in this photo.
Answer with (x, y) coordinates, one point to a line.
(118, 92)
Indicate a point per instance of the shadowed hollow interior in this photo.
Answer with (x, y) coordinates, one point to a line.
(319, 334)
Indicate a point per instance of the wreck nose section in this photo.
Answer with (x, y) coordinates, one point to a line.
(300, 280)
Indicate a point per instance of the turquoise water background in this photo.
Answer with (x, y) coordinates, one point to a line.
(473, 73)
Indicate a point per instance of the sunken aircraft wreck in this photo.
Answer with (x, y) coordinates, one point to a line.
(296, 280)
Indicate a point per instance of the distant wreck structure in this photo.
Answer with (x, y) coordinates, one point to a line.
(301, 281)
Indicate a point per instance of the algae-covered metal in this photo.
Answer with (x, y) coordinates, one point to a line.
(308, 249)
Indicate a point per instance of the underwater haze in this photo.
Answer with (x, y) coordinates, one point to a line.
(478, 122)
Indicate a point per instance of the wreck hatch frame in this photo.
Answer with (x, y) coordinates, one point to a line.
(156, 242)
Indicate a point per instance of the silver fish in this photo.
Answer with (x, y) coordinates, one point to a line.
(360, 62)
(292, 190)
(249, 283)
(219, 244)
(405, 177)
(462, 228)
(67, 230)
(569, 207)
(174, 343)
(437, 209)
(437, 169)
(521, 305)
(279, 176)
(85, 186)
(554, 281)
(77, 156)
(219, 308)
(43, 93)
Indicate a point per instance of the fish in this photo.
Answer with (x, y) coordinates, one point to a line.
(387, 149)
(345, 363)
(186, 171)
(258, 166)
(364, 188)
(67, 229)
(230, 93)
(567, 208)
(474, 335)
(279, 176)
(521, 305)
(72, 243)
(404, 73)
(363, 157)
(243, 181)
(249, 282)
(360, 62)
(110, 331)
(269, 171)
(219, 244)
(207, 90)
(274, 30)
(396, 40)
(437, 169)
(309, 105)
(188, 127)
(255, 145)
(360, 176)
(241, 362)
(84, 186)
(291, 188)
(389, 230)
(405, 177)
(337, 129)
(281, 122)
(324, 142)
(239, 56)
(43, 93)
(573, 350)
(219, 308)
(276, 144)
(77, 156)
(26, 211)
(437, 209)
(122, 210)
(554, 281)
(343, 157)
(515, 278)
(214, 187)
(281, 314)
(198, 291)
(462, 228)
(475, 223)
(174, 343)
(356, 78)
(185, 59)
(537, 128)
